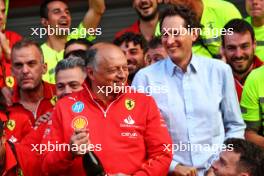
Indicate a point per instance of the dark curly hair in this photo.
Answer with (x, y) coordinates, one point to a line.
(251, 156)
(132, 37)
(188, 16)
(239, 26)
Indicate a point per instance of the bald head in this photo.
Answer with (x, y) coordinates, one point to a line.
(106, 65)
(104, 53)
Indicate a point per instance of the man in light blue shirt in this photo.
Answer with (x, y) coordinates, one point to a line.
(196, 96)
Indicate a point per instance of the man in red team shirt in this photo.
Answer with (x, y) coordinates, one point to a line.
(239, 51)
(7, 40)
(126, 130)
(31, 97)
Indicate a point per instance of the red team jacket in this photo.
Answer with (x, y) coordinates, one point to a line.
(129, 135)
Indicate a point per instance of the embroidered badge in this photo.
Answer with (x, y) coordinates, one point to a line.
(130, 104)
(11, 124)
(53, 100)
(10, 81)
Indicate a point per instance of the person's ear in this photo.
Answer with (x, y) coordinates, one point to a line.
(147, 60)
(195, 34)
(90, 73)
(44, 68)
(44, 22)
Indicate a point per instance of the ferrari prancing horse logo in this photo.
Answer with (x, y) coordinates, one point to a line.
(130, 104)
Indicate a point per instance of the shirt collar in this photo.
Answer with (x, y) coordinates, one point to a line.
(48, 93)
(172, 68)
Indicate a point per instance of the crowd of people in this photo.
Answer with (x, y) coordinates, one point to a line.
(180, 92)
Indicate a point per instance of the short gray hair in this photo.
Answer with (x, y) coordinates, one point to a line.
(70, 62)
(26, 43)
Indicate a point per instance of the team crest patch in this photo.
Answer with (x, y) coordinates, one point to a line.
(78, 107)
(10, 81)
(53, 100)
(79, 122)
(130, 104)
(11, 124)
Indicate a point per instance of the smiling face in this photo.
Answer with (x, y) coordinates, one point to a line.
(28, 67)
(58, 15)
(175, 38)
(135, 56)
(110, 67)
(146, 9)
(239, 51)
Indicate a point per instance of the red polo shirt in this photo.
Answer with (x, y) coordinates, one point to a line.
(239, 86)
(44, 105)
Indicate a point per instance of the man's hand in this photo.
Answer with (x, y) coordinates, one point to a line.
(7, 94)
(5, 45)
(93, 16)
(98, 6)
(181, 170)
(43, 119)
(80, 141)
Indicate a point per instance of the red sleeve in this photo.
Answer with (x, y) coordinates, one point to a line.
(56, 162)
(156, 138)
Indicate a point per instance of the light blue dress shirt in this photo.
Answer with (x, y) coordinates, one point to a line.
(199, 106)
